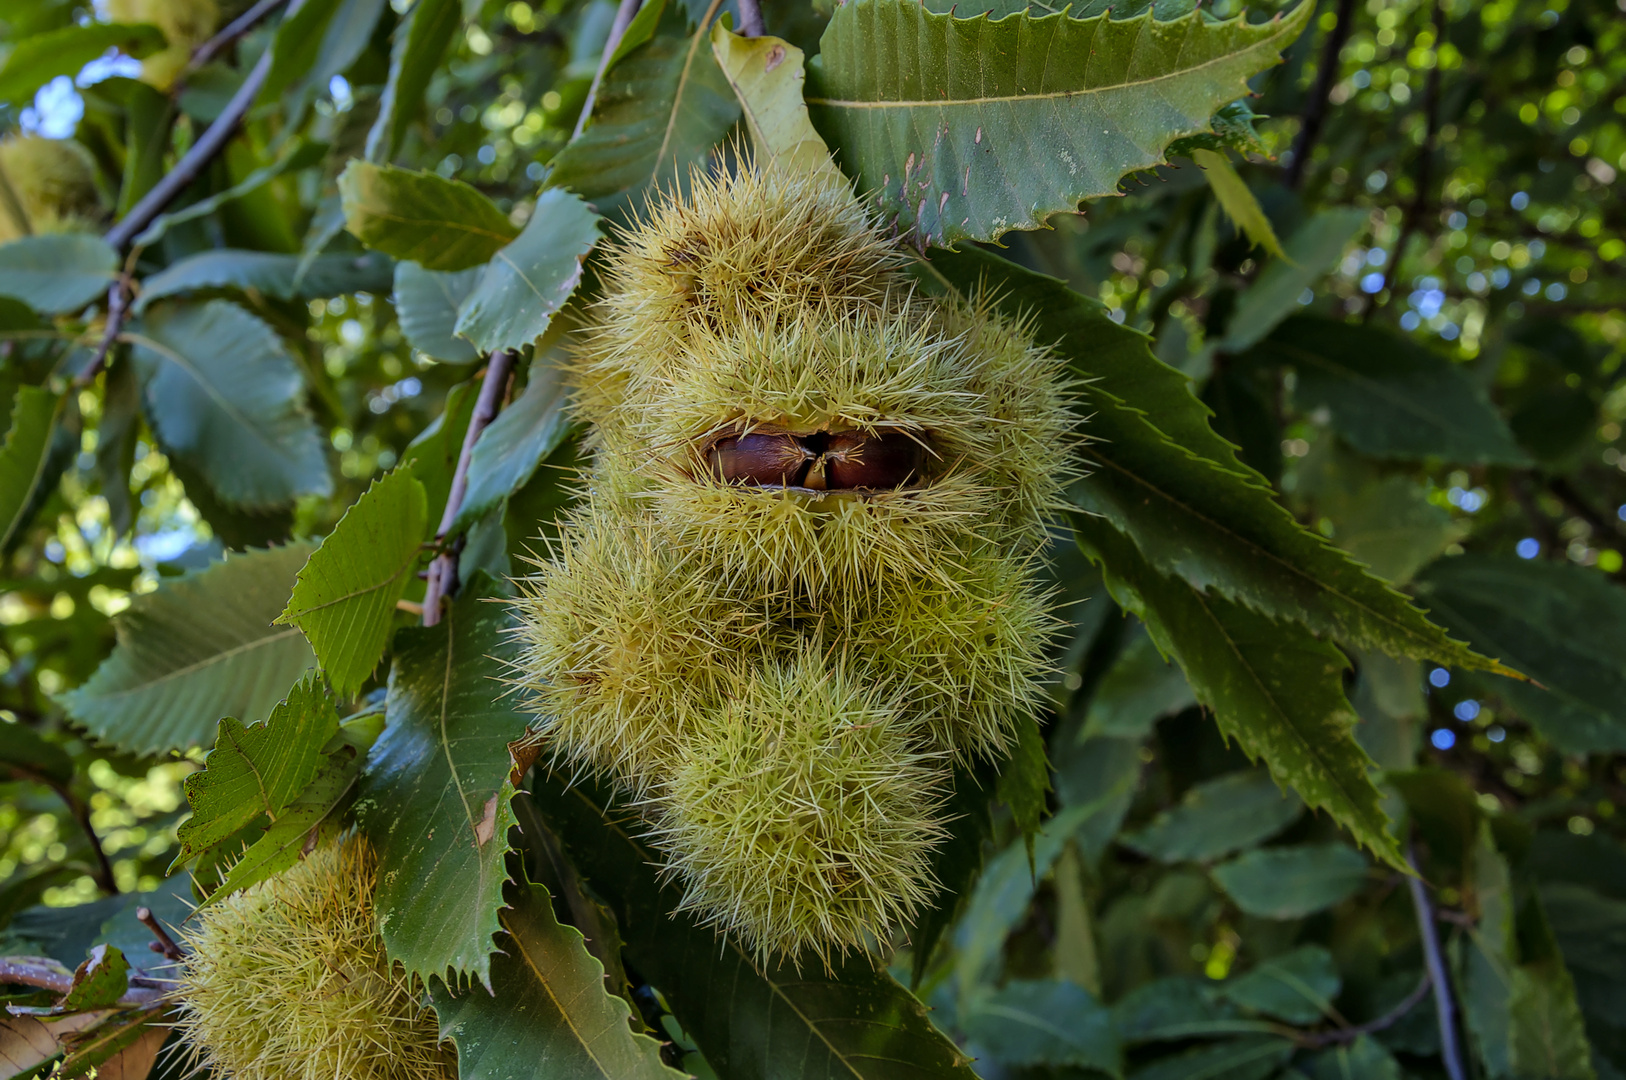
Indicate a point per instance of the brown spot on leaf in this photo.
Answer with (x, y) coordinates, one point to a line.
(488, 823)
(776, 56)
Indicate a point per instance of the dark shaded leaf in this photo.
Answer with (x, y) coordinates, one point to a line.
(420, 41)
(25, 457)
(1051, 1022)
(1292, 882)
(1217, 817)
(36, 60)
(1298, 987)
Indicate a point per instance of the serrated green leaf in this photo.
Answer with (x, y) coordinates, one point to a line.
(1298, 987)
(548, 1012)
(426, 303)
(435, 791)
(1024, 778)
(56, 273)
(526, 282)
(1178, 1008)
(1217, 817)
(659, 113)
(295, 830)
(777, 1024)
(767, 75)
(200, 647)
(517, 442)
(1044, 1022)
(1162, 477)
(438, 223)
(1547, 1034)
(344, 600)
(271, 273)
(1292, 882)
(24, 457)
(965, 129)
(421, 39)
(1564, 625)
(1273, 688)
(223, 393)
(1252, 1057)
(1232, 126)
(1237, 201)
(1389, 397)
(36, 60)
(258, 769)
(1363, 1059)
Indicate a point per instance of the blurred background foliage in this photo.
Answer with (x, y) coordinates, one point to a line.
(1455, 166)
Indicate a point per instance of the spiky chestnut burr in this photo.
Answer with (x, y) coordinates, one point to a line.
(288, 980)
(52, 182)
(802, 582)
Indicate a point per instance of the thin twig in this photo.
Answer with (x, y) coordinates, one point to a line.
(1425, 166)
(618, 29)
(165, 944)
(1444, 1005)
(750, 18)
(1326, 77)
(234, 30)
(443, 571)
(118, 296)
(196, 159)
(79, 810)
(28, 971)
(1387, 1020)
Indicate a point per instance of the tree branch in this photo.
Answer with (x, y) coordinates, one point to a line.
(79, 810)
(443, 571)
(165, 944)
(1425, 165)
(1326, 77)
(235, 29)
(618, 30)
(750, 18)
(1444, 1005)
(1387, 1020)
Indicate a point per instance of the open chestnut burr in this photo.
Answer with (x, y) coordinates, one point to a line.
(819, 461)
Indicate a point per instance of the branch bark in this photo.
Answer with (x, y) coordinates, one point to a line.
(751, 24)
(443, 571)
(1326, 77)
(618, 30)
(1444, 1004)
(235, 29)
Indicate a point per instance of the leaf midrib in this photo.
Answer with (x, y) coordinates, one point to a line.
(199, 665)
(226, 405)
(842, 103)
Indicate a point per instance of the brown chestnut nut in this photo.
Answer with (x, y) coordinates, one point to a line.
(886, 459)
(765, 458)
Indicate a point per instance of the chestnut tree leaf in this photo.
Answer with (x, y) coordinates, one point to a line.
(258, 769)
(200, 647)
(767, 76)
(24, 457)
(223, 392)
(344, 599)
(775, 1024)
(439, 224)
(549, 1013)
(435, 793)
(426, 303)
(964, 129)
(57, 272)
(520, 439)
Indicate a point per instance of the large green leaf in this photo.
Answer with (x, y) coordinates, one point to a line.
(522, 436)
(199, 648)
(258, 769)
(269, 272)
(1164, 479)
(1389, 397)
(35, 61)
(1298, 987)
(344, 600)
(1275, 689)
(1217, 817)
(1044, 1022)
(58, 272)
(24, 457)
(426, 303)
(421, 40)
(659, 113)
(548, 1013)
(1563, 625)
(435, 795)
(774, 1024)
(1292, 882)
(438, 223)
(528, 281)
(223, 393)
(964, 129)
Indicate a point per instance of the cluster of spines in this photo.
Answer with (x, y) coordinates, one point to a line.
(288, 980)
(766, 667)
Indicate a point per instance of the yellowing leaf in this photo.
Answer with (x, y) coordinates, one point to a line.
(767, 76)
(1237, 201)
